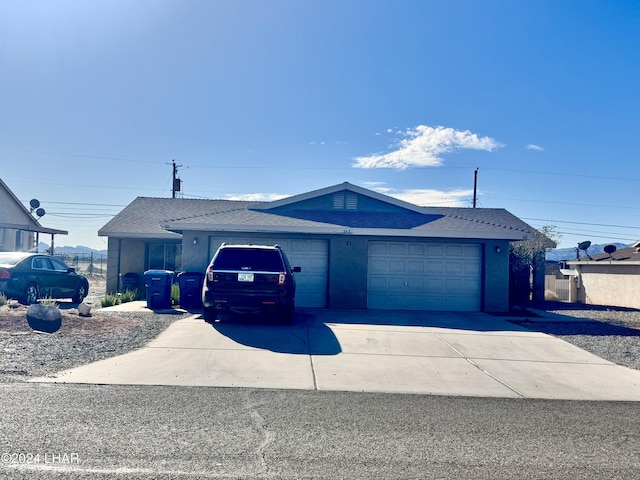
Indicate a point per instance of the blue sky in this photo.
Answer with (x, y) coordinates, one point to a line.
(269, 98)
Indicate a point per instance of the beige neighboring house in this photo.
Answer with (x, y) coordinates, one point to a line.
(609, 279)
(19, 230)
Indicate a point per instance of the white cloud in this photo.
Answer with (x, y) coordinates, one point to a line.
(435, 198)
(256, 197)
(423, 147)
(537, 148)
(426, 197)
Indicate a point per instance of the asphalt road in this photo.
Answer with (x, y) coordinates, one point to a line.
(145, 432)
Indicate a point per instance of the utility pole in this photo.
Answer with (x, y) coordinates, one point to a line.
(475, 187)
(176, 181)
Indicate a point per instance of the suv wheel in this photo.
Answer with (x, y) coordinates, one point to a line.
(209, 314)
(286, 316)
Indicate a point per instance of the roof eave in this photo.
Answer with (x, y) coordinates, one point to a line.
(603, 262)
(340, 230)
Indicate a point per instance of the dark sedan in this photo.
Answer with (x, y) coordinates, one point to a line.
(30, 276)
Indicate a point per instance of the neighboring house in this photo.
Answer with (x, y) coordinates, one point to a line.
(19, 230)
(357, 248)
(612, 280)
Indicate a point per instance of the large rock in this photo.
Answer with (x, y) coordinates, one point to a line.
(84, 309)
(44, 318)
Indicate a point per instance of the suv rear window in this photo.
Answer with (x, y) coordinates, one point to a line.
(248, 259)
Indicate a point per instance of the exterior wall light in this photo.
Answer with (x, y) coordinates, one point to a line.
(497, 249)
(195, 240)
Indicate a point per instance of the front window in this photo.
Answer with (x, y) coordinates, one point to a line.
(163, 256)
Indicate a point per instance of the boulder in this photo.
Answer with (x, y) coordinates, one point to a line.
(44, 318)
(84, 309)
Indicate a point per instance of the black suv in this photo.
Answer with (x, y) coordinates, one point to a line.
(249, 279)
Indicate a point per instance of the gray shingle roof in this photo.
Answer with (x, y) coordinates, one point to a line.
(146, 216)
(163, 217)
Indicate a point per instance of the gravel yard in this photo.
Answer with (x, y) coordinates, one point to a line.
(613, 334)
(80, 340)
(610, 333)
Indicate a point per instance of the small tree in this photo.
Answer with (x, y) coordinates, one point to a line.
(527, 264)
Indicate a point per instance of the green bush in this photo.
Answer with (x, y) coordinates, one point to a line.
(128, 296)
(175, 294)
(110, 300)
(3, 299)
(48, 301)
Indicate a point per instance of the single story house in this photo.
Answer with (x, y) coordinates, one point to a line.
(609, 279)
(19, 230)
(358, 248)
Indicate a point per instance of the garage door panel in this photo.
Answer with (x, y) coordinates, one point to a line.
(424, 276)
(416, 249)
(309, 254)
(416, 267)
(435, 267)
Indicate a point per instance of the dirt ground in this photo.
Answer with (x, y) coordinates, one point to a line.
(13, 316)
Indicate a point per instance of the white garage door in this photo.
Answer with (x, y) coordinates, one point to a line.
(309, 254)
(424, 276)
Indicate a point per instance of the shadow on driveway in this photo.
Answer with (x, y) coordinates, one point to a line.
(265, 332)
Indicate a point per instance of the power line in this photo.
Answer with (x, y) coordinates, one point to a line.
(560, 174)
(579, 204)
(579, 223)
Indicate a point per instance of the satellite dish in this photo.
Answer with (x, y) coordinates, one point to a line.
(34, 203)
(40, 212)
(584, 245)
(610, 249)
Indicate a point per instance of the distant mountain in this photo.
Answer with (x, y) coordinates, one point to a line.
(559, 254)
(66, 250)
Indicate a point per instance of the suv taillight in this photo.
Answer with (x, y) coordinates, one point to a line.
(4, 274)
(210, 274)
(282, 277)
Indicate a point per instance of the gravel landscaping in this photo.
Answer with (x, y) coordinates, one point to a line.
(610, 333)
(26, 353)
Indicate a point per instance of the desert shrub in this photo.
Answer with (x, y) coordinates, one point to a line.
(128, 296)
(48, 301)
(551, 296)
(110, 300)
(3, 299)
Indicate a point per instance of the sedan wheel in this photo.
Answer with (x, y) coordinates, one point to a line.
(31, 294)
(80, 294)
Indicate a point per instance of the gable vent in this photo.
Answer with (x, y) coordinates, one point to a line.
(345, 201)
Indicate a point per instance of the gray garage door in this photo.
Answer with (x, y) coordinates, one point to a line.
(424, 276)
(310, 254)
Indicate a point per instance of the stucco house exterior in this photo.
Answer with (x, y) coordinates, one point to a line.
(18, 228)
(358, 249)
(609, 279)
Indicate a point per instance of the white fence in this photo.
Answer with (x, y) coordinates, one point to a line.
(563, 289)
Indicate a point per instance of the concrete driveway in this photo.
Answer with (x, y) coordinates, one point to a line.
(440, 353)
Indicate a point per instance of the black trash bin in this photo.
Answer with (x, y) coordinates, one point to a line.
(190, 284)
(158, 283)
(130, 281)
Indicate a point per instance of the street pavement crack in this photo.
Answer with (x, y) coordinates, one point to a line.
(267, 436)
